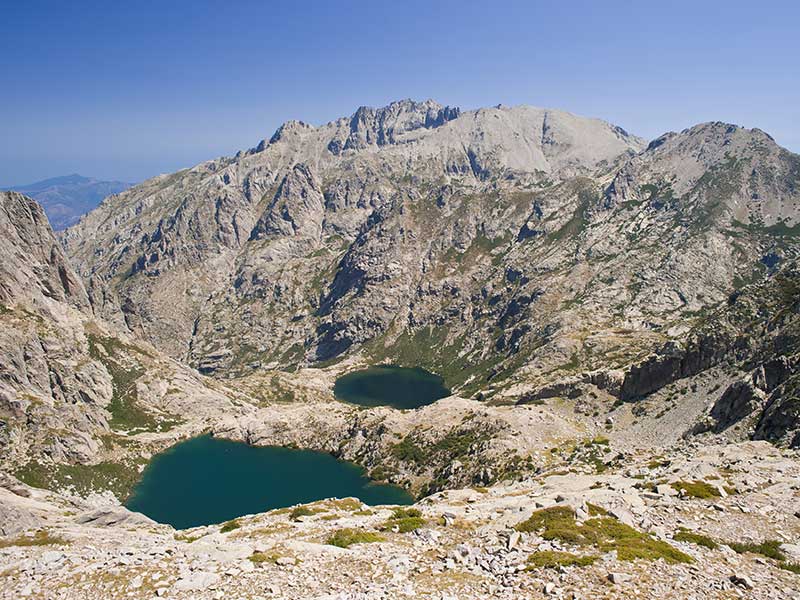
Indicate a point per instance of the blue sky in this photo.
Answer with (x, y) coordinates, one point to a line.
(129, 90)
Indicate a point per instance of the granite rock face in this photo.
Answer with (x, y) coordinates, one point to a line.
(321, 238)
(519, 241)
(34, 267)
(68, 380)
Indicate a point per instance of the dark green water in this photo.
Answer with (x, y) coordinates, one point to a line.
(387, 385)
(207, 480)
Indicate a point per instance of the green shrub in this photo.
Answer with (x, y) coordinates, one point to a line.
(684, 535)
(230, 526)
(696, 489)
(552, 559)
(768, 548)
(344, 538)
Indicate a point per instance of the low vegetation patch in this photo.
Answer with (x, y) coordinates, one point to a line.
(40, 538)
(261, 557)
(344, 538)
(126, 412)
(696, 489)
(657, 463)
(349, 504)
(552, 559)
(596, 511)
(303, 511)
(409, 450)
(698, 539)
(604, 533)
(230, 526)
(768, 548)
(183, 537)
(405, 520)
(119, 478)
(793, 567)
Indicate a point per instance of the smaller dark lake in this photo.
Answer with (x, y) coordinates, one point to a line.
(207, 480)
(387, 385)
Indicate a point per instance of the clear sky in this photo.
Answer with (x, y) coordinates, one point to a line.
(127, 90)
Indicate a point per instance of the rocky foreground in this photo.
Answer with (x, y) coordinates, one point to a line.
(712, 522)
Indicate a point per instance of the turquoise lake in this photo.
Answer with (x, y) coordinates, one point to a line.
(207, 480)
(387, 385)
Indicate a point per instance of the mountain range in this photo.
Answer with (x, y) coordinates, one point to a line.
(65, 199)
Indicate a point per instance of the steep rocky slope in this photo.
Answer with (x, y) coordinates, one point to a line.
(503, 248)
(749, 348)
(273, 256)
(73, 390)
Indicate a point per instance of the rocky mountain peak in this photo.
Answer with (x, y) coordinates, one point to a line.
(290, 128)
(733, 173)
(381, 126)
(33, 267)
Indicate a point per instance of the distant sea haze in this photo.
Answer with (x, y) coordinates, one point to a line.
(65, 199)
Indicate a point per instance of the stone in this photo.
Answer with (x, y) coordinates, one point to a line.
(617, 578)
(792, 551)
(742, 581)
(197, 581)
(664, 489)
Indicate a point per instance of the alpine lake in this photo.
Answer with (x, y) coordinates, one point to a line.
(207, 480)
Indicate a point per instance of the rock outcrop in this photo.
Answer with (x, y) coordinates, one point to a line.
(69, 383)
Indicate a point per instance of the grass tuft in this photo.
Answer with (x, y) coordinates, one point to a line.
(230, 526)
(551, 559)
(40, 538)
(696, 489)
(698, 539)
(344, 538)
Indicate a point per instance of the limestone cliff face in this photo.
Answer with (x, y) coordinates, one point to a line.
(498, 246)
